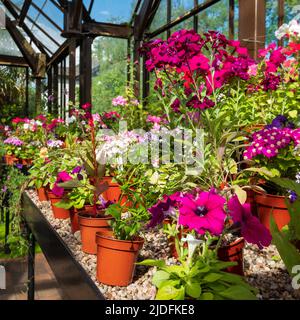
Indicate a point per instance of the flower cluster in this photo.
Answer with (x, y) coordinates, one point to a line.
(119, 101)
(270, 140)
(55, 143)
(14, 141)
(202, 64)
(292, 29)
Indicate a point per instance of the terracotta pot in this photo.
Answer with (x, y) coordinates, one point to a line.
(233, 253)
(58, 213)
(89, 226)
(10, 159)
(42, 194)
(116, 260)
(113, 193)
(26, 162)
(74, 216)
(268, 204)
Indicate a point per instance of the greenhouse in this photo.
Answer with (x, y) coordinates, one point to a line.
(150, 150)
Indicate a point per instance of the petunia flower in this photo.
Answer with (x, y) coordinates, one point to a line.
(63, 176)
(251, 229)
(203, 213)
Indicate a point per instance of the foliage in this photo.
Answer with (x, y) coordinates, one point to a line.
(129, 226)
(15, 184)
(199, 277)
(287, 243)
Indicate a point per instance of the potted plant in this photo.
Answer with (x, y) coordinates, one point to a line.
(273, 152)
(199, 275)
(211, 213)
(120, 249)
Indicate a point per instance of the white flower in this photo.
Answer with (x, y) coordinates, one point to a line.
(71, 119)
(26, 126)
(193, 243)
(38, 123)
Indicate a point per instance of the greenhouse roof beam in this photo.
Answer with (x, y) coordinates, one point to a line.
(24, 12)
(8, 5)
(13, 61)
(108, 30)
(36, 61)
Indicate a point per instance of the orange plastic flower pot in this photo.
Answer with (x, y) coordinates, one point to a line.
(10, 160)
(233, 253)
(58, 213)
(42, 194)
(89, 226)
(74, 217)
(116, 260)
(268, 204)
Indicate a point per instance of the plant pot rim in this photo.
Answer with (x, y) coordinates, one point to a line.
(138, 240)
(265, 194)
(82, 213)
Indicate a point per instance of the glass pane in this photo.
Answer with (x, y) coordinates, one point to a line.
(187, 24)
(115, 11)
(160, 18)
(7, 44)
(51, 11)
(271, 20)
(109, 72)
(215, 17)
(180, 7)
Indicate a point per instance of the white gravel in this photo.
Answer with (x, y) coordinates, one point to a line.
(263, 268)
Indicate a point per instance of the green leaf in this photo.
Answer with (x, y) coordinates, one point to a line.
(287, 184)
(168, 293)
(64, 205)
(237, 292)
(289, 253)
(159, 277)
(241, 194)
(212, 277)
(206, 296)
(71, 184)
(193, 289)
(153, 263)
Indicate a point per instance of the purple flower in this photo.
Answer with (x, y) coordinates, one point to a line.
(119, 101)
(293, 196)
(163, 209)
(251, 229)
(54, 143)
(77, 170)
(4, 189)
(19, 166)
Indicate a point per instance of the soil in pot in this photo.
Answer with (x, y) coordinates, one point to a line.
(233, 252)
(58, 213)
(116, 260)
(89, 226)
(268, 204)
(74, 216)
(42, 194)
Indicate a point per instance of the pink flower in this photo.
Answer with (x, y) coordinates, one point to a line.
(86, 106)
(251, 229)
(252, 71)
(199, 63)
(119, 101)
(63, 176)
(203, 213)
(154, 119)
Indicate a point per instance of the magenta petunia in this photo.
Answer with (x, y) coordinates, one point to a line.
(203, 213)
(251, 229)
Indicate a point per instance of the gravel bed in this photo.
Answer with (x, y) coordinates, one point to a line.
(263, 268)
